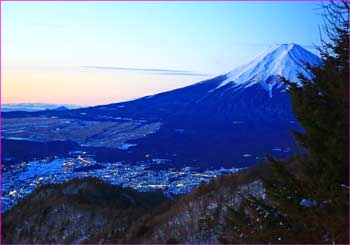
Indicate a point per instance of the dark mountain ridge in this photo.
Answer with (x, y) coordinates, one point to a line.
(76, 212)
(91, 211)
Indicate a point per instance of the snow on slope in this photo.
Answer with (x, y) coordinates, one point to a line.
(287, 60)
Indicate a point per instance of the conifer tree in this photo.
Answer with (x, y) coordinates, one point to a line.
(321, 105)
(308, 197)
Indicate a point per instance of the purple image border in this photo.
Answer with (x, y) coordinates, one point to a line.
(102, 1)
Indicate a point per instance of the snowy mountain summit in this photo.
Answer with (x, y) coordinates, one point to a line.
(287, 60)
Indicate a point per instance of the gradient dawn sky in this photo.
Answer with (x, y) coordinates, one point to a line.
(92, 53)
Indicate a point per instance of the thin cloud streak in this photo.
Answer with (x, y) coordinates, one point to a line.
(133, 69)
(181, 74)
(154, 71)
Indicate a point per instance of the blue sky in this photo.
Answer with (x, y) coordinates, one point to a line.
(101, 52)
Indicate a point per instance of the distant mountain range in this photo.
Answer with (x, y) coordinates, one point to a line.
(30, 107)
(232, 119)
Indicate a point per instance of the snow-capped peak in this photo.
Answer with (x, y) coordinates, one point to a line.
(287, 60)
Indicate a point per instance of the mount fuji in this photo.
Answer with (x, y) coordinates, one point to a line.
(230, 120)
(252, 93)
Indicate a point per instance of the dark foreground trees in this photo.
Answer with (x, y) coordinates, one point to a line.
(321, 105)
(308, 197)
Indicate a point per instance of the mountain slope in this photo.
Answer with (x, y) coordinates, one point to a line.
(222, 95)
(215, 122)
(233, 95)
